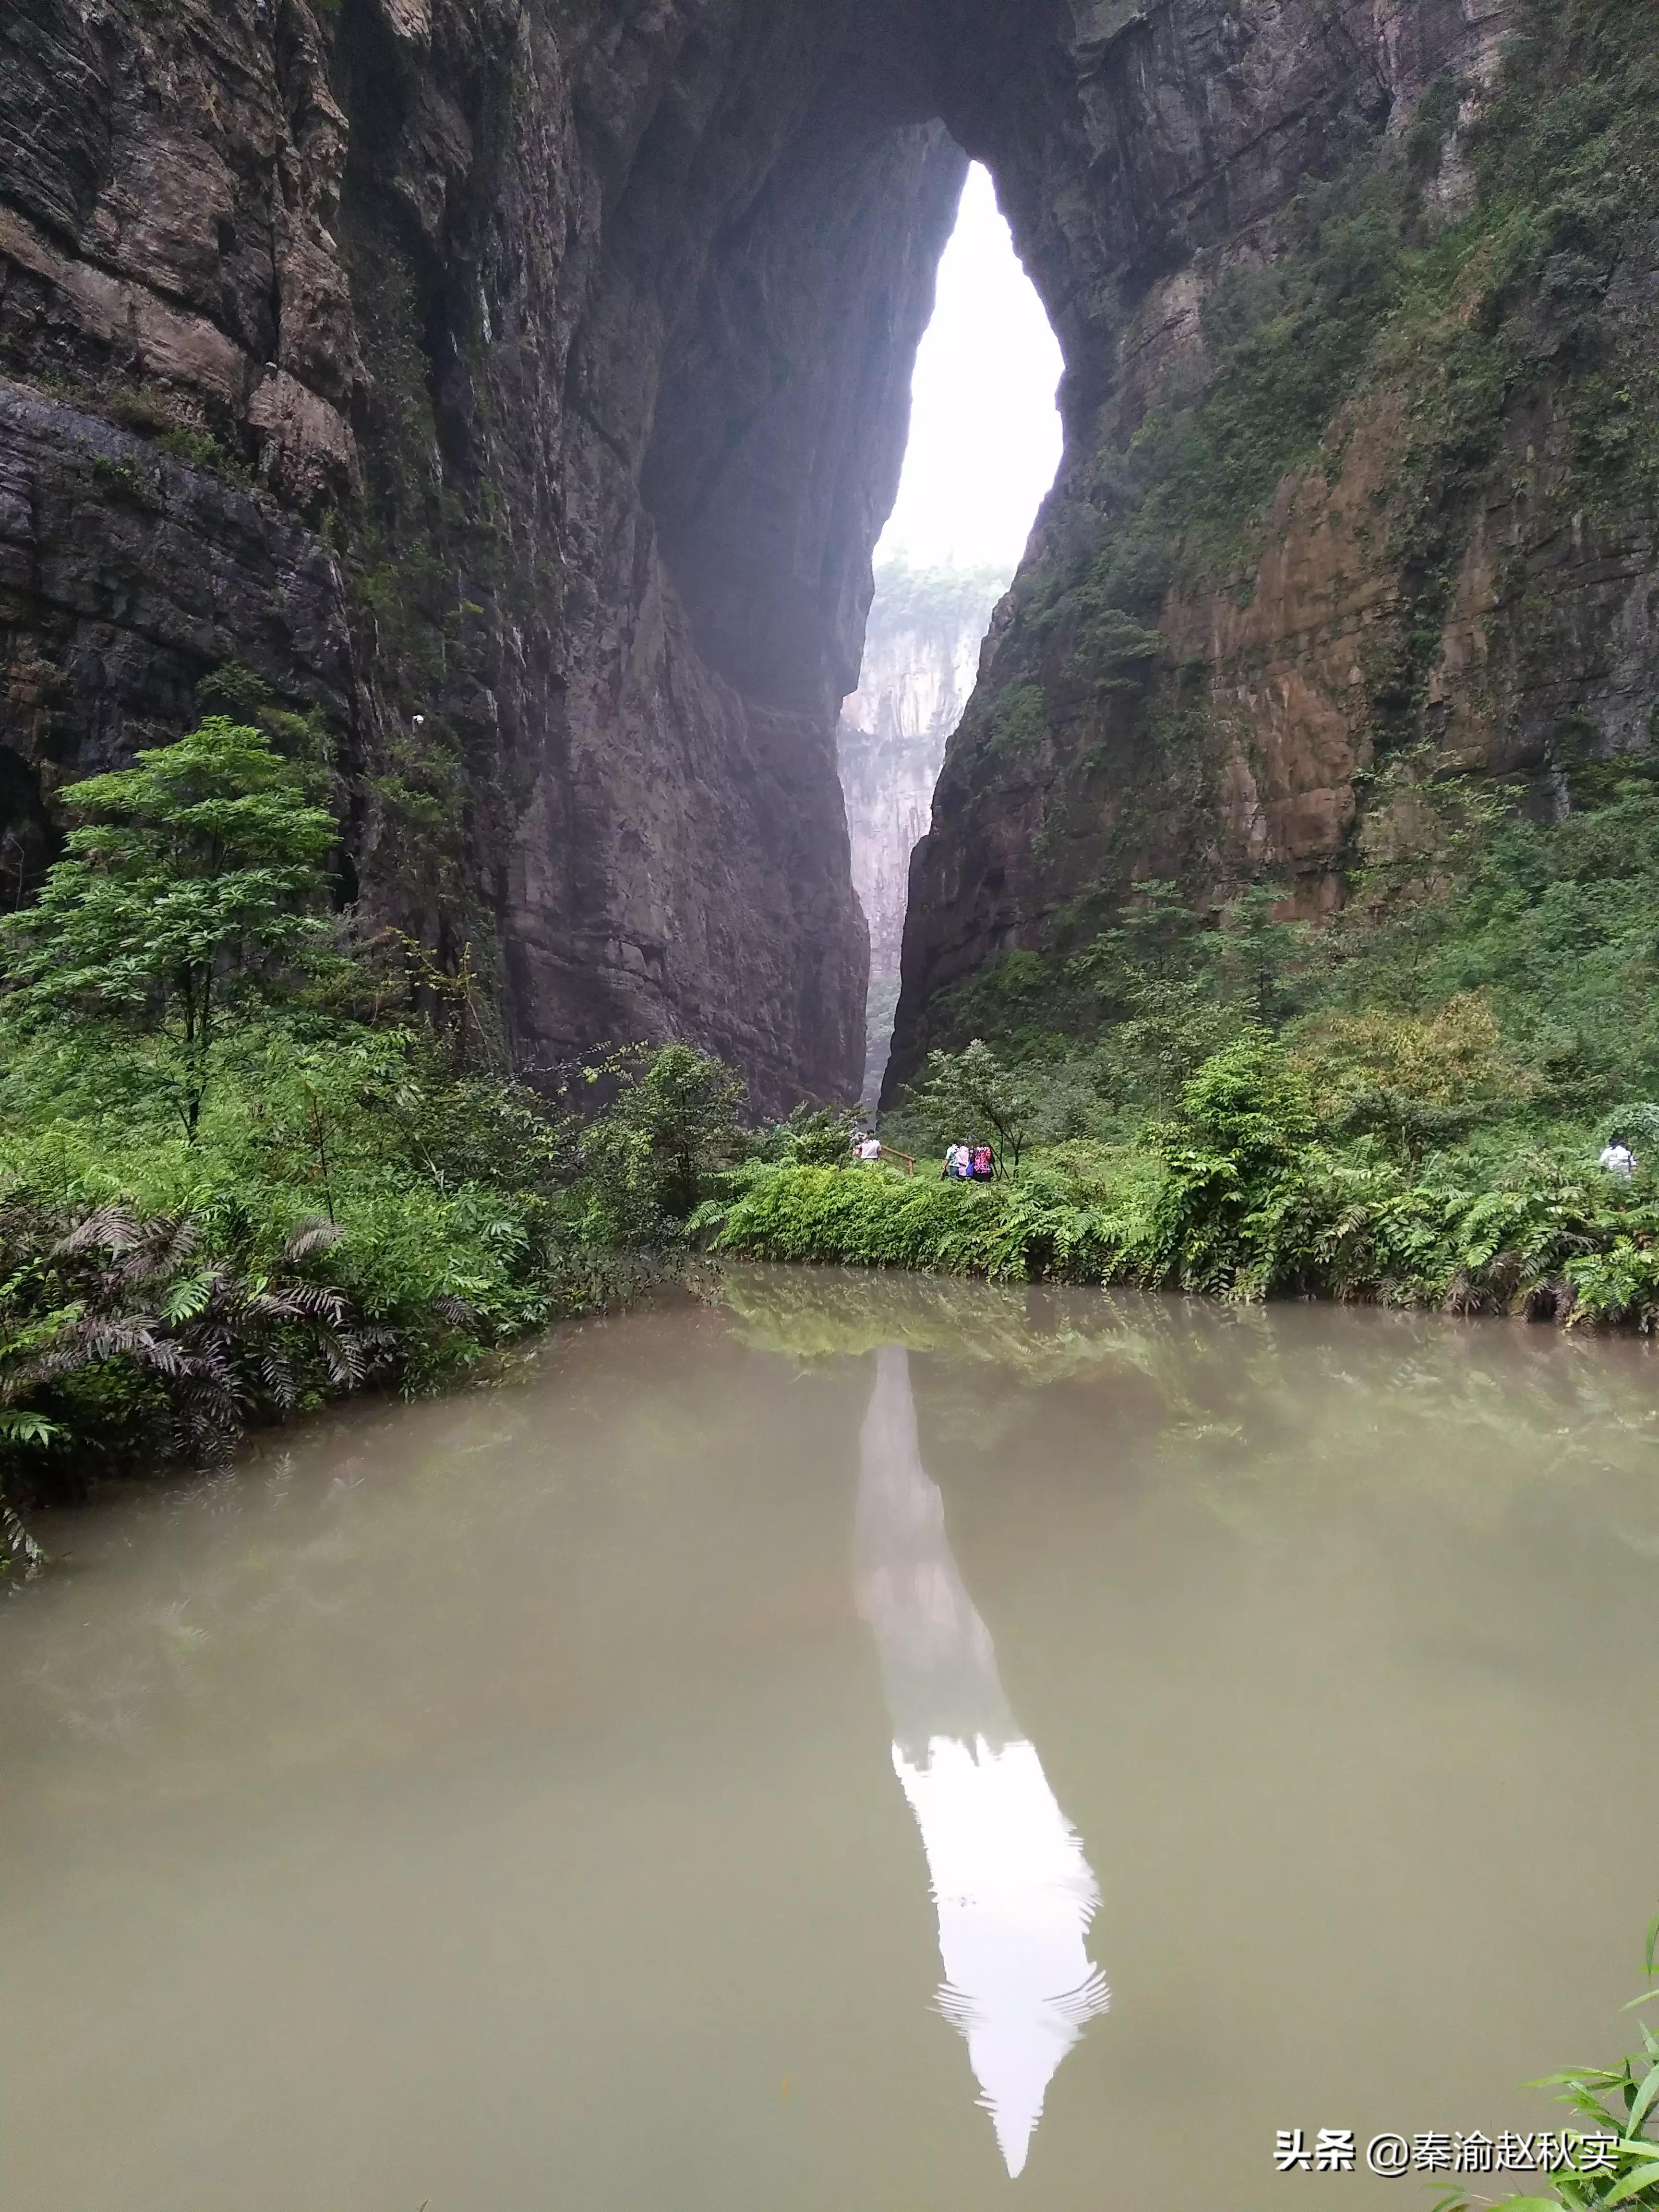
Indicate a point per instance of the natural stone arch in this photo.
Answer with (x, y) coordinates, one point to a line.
(598, 319)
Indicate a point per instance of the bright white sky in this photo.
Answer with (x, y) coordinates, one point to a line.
(985, 436)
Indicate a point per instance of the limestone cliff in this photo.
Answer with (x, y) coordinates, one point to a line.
(921, 652)
(1359, 491)
(522, 385)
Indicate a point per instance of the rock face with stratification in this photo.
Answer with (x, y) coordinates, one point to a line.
(525, 387)
(522, 386)
(1358, 305)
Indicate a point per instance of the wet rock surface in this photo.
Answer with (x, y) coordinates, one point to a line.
(124, 575)
(1175, 141)
(564, 352)
(525, 386)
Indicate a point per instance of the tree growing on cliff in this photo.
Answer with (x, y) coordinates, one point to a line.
(188, 898)
(1256, 955)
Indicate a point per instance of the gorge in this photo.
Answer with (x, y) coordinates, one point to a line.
(920, 658)
(567, 1628)
(521, 386)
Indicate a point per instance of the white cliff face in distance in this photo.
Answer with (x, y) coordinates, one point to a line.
(1013, 1890)
(920, 659)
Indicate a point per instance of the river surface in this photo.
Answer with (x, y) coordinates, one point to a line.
(860, 1745)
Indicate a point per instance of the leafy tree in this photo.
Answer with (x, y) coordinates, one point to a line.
(1251, 1104)
(1154, 936)
(1227, 1216)
(1255, 953)
(1413, 1079)
(961, 1092)
(820, 1137)
(1153, 976)
(188, 896)
(1174, 1025)
(676, 1121)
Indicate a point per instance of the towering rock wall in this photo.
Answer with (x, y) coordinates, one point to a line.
(521, 385)
(921, 652)
(1357, 324)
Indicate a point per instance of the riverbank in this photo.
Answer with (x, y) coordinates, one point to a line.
(1237, 1212)
(238, 1184)
(349, 1211)
(1406, 1104)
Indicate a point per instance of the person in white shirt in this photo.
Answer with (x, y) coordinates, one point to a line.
(947, 1174)
(1618, 1159)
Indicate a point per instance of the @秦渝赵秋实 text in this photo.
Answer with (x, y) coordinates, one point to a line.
(1342, 2150)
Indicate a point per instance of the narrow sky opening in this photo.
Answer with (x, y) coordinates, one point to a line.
(985, 436)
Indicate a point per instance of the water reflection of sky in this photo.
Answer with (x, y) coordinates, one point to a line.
(1014, 1895)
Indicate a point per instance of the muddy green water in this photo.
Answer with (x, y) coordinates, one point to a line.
(870, 1746)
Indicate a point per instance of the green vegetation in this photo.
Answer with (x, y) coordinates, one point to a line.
(972, 1091)
(1409, 1105)
(249, 1161)
(939, 601)
(191, 893)
(1621, 2107)
(674, 1123)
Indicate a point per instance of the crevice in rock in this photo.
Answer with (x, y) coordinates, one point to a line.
(592, 329)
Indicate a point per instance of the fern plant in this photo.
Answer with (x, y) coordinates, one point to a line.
(1620, 2102)
(189, 1346)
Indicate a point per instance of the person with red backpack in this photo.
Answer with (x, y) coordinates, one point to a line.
(985, 1165)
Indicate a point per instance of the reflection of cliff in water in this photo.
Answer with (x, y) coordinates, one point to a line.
(1013, 1892)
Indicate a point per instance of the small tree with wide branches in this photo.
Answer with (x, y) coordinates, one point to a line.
(963, 1094)
(190, 893)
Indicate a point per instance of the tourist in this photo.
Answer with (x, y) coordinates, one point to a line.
(1618, 1159)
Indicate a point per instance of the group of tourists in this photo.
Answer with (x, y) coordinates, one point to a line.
(963, 1163)
(968, 1163)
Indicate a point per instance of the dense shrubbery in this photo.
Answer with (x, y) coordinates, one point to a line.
(1409, 1106)
(349, 1207)
(246, 1162)
(1237, 1195)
